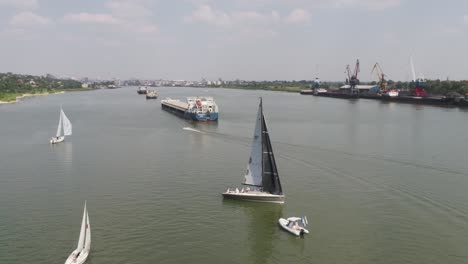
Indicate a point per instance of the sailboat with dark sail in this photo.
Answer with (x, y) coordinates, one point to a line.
(262, 178)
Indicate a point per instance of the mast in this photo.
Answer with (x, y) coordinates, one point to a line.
(262, 129)
(87, 245)
(412, 69)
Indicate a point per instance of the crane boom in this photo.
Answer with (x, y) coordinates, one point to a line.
(380, 74)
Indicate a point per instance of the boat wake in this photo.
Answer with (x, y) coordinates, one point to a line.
(456, 211)
(192, 129)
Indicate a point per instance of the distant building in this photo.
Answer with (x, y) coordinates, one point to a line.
(360, 87)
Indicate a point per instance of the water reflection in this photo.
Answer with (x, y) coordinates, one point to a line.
(351, 123)
(64, 156)
(262, 227)
(63, 151)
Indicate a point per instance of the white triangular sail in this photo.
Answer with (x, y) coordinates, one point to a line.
(88, 234)
(81, 240)
(67, 126)
(59, 128)
(253, 175)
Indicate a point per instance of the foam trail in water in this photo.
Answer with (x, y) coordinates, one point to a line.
(192, 129)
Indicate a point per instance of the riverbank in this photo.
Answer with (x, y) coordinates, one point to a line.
(15, 98)
(11, 98)
(289, 89)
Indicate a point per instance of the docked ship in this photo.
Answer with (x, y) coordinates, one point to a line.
(198, 108)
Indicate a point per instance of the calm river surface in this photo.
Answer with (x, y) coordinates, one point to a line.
(379, 182)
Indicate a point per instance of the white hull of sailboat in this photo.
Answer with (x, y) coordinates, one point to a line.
(77, 260)
(56, 140)
(254, 196)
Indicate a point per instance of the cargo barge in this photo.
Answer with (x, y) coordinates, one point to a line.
(307, 92)
(196, 108)
(401, 97)
(338, 95)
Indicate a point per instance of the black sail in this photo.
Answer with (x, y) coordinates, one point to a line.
(270, 177)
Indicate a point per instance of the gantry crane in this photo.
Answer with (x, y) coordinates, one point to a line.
(352, 77)
(382, 82)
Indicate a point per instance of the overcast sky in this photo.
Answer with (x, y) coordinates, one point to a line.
(245, 39)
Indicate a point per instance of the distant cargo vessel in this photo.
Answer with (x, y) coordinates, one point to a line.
(142, 90)
(196, 108)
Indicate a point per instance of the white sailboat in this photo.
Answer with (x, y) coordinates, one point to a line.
(64, 123)
(262, 176)
(79, 255)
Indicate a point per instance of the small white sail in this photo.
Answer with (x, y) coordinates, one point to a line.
(253, 175)
(81, 240)
(59, 128)
(88, 234)
(67, 126)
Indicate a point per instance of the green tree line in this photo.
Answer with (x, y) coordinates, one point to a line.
(12, 85)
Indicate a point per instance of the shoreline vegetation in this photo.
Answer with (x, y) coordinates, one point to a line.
(14, 87)
(14, 98)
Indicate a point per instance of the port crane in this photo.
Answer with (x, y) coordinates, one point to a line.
(380, 74)
(352, 76)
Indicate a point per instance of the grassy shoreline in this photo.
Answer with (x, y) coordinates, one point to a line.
(11, 98)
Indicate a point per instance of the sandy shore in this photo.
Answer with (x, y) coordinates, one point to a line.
(28, 95)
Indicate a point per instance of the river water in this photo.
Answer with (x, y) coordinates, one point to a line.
(380, 182)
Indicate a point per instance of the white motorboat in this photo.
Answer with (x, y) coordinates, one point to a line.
(294, 225)
(79, 255)
(64, 123)
(262, 174)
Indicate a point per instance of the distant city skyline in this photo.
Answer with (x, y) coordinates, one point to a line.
(236, 39)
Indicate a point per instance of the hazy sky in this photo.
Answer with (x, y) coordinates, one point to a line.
(245, 39)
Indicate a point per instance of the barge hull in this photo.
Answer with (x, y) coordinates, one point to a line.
(338, 95)
(429, 100)
(181, 109)
(175, 107)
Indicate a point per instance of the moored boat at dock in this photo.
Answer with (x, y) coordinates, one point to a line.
(198, 108)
